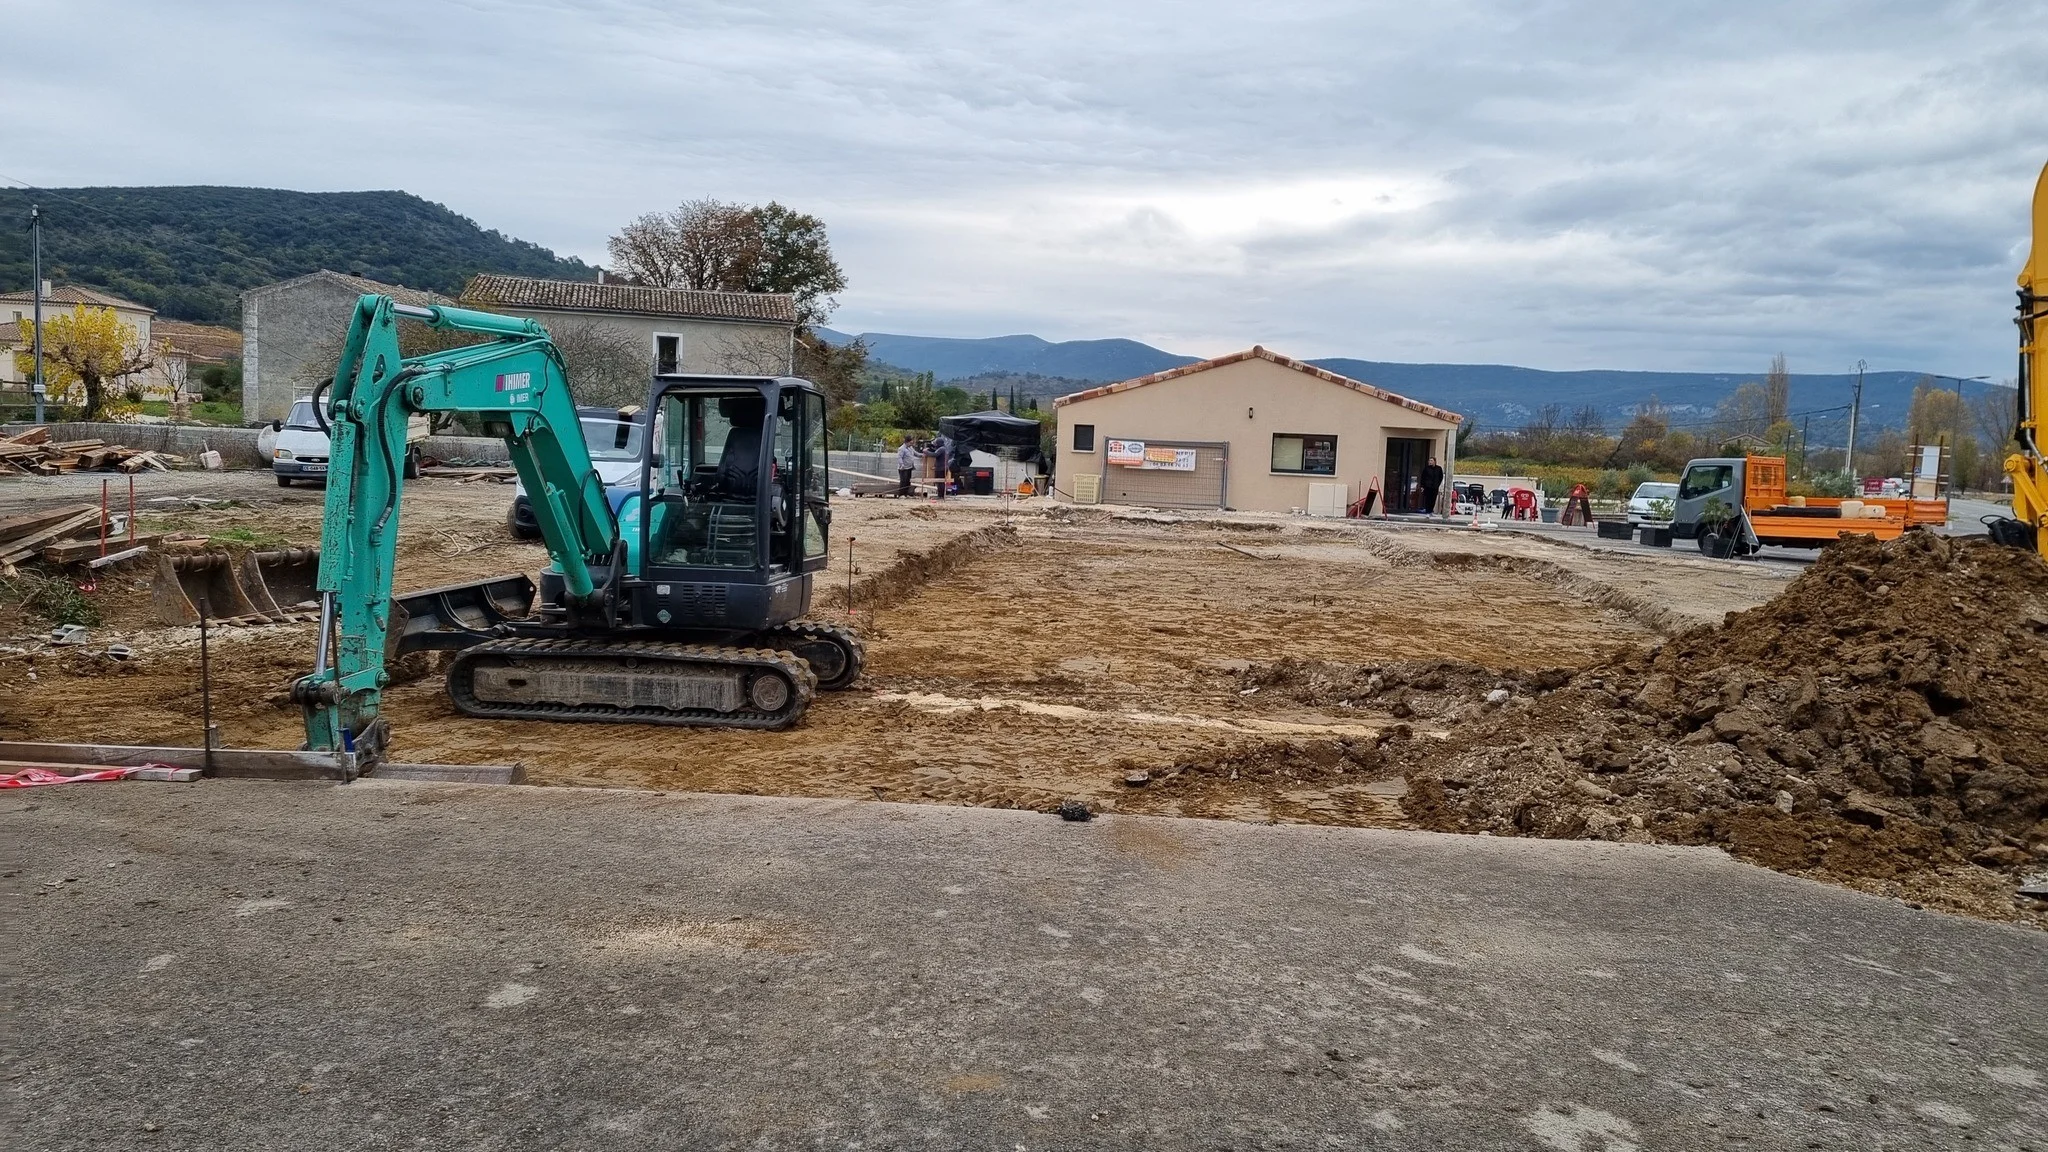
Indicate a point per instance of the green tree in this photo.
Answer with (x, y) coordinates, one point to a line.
(916, 405)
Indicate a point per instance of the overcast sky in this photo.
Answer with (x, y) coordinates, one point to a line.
(1562, 185)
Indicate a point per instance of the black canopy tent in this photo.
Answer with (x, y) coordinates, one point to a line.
(996, 433)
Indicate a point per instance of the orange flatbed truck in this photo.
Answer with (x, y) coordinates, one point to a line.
(1750, 493)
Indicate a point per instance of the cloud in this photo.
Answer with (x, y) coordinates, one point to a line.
(1601, 184)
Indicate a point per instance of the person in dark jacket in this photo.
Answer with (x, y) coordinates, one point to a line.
(941, 452)
(1432, 483)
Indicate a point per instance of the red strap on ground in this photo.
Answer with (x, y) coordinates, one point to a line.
(38, 777)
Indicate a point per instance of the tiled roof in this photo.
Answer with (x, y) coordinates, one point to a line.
(69, 294)
(491, 290)
(1261, 353)
(202, 342)
(418, 297)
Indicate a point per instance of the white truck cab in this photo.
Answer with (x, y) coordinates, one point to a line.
(299, 449)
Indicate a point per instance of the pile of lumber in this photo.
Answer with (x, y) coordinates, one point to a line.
(32, 453)
(76, 533)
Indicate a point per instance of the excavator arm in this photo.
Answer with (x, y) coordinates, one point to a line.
(514, 384)
(2028, 467)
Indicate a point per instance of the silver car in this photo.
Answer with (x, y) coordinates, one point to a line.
(1642, 507)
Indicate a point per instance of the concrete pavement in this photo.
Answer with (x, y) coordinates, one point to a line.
(238, 964)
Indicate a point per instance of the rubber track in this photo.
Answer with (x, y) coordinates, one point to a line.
(798, 632)
(461, 684)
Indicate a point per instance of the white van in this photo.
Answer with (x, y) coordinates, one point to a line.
(299, 448)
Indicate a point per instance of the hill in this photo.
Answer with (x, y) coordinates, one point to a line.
(957, 359)
(1497, 395)
(189, 252)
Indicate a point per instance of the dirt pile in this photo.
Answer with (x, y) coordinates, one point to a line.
(1882, 723)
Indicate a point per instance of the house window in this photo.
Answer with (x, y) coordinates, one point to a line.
(667, 354)
(1084, 437)
(1309, 455)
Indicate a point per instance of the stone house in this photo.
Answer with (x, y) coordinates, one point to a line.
(292, 333)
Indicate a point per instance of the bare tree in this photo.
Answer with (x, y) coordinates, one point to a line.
(756, 353)
(706, 244)
(1993, 416)
(709, 245)
(1745, 414)
(605, 362)
(1777, 391)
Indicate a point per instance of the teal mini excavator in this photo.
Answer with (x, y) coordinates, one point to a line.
(679, 601)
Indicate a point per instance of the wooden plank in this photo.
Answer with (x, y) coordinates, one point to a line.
(117, 557)
(32, 436)
(74, 551)
(452, 773)
(245, 763)
(15, 551)
(29, 522)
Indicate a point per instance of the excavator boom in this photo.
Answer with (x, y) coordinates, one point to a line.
(514, 384)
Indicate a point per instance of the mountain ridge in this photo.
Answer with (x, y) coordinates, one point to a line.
(189, 251)
(1494, 394)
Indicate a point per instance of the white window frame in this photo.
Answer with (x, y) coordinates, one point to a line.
(655, 347)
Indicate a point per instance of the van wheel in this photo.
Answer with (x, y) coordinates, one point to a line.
(284, 481)
(412, 464)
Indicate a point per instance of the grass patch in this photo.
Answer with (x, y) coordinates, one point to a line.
(243, 536)
(53, 598)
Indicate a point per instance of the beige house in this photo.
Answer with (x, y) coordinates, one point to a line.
(1253, 430)
(161, 381)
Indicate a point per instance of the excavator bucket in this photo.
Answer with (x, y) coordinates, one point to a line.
(458, 615)
(207, 580)
(281, 584)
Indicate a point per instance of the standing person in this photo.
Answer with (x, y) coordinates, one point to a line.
(1432, 482)
(941, 452)
(906, 463)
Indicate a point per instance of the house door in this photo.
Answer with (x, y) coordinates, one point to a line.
(1406, 456)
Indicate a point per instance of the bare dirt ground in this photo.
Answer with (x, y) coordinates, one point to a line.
(1020, 654)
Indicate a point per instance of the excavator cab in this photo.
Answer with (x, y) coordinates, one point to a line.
(733, 511)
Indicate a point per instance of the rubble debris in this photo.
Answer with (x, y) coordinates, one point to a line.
(1878, 724)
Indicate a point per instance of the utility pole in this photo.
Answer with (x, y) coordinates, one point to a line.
(1855, 407)
(35, 231)
(1805, 436)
